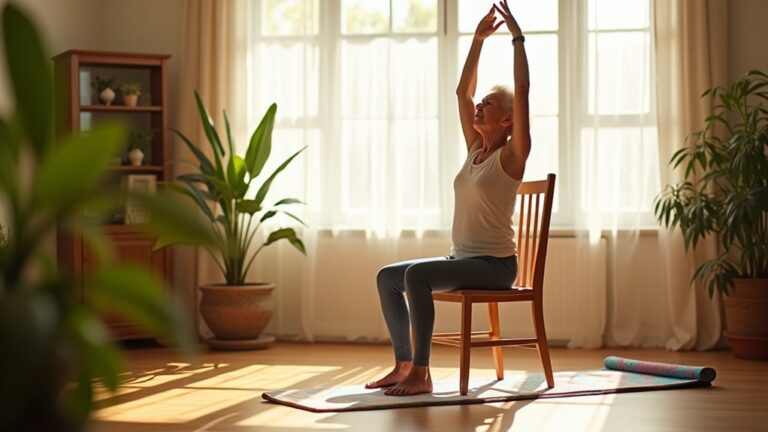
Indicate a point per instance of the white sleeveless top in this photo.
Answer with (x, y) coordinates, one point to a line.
(485, 201)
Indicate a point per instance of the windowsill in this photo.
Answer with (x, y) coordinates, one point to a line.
(554, 232)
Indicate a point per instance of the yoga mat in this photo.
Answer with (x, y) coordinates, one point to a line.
(700, 373)
(513, 387)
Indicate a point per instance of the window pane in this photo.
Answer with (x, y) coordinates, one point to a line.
(619, 169)
(544, 151)
(364, 81)
(297, 176)
(363, 155)
(413, 89)
(364, 16)
(289, 17)
(618, 14)
(373, 86)
(619, 73)
(539, 15)
(289, 75)
(497, 67)
(414, 16)
(416, 169)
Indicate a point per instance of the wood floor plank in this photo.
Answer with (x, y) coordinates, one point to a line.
(221, 391)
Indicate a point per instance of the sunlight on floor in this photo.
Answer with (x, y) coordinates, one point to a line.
(583, 413)
(263, 377)
(198, 399)
(287, 417)
(174, 406)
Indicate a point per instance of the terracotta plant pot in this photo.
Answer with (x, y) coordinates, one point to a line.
(237, 312)
(746, 319)
(130, 100)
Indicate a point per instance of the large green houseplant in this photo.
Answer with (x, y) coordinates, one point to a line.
(236, 311)
(55, 348)
(725, 194)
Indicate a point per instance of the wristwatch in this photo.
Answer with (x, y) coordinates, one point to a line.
(520, 38)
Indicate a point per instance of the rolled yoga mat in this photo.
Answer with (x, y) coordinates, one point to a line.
(700, 373)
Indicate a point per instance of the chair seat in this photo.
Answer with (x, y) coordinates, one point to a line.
(485, 296)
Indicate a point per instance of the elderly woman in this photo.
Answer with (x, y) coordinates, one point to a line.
(484, 256)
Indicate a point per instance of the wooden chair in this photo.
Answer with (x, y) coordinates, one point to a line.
(532, 236)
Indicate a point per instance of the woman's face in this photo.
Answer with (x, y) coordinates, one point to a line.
(490, 114)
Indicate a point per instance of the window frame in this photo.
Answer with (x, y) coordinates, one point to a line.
(572, 36)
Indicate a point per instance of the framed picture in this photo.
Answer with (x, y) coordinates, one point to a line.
(135, 213)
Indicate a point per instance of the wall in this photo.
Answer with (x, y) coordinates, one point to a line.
(64, 25)
(747, 37)
(146, 26)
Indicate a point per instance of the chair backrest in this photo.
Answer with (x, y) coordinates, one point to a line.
(534, 210)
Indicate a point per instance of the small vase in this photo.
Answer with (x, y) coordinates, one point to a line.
(107, 96)
(130, 100)
(136, 156)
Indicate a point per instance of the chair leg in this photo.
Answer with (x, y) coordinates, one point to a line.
(541, 343)
(498, 358)
(466, 340)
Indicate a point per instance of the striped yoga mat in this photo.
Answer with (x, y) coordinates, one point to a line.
(619, 375)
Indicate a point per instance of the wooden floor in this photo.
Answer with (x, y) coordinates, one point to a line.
(221, 391)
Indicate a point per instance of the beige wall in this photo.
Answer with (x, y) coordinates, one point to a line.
(146, 26)
(64, 24)
(747, 36)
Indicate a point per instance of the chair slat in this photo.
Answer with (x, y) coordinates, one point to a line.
(535, 231)
(528, 250)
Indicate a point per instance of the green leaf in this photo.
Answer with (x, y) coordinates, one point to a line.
(101, 357)
(288, 201)
(63, 180)
(262, 193)
(293, 216)
(138, 296)
(173, 223)
(190, 191)
(206, 166)
(268, 215)
(8, 161)
(260, 145)
(210, 131)
(221, 188)
(298, 244)
(279, 234)
(230, 141)
(31, 79)
(247, 206)
(236, 175)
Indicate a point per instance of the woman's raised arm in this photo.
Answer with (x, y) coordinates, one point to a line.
(520, 144)
(465, 92)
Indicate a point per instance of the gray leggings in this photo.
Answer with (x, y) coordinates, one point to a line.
(418, 279)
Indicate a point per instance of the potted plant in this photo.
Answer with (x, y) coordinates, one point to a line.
(139, 143)
(236, 311)
(103, 88)
(725, 193)
(131, 93)
(56, 348)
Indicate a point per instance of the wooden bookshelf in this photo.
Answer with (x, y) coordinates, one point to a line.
(78, 108)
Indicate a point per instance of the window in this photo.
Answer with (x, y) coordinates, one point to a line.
(369, 86)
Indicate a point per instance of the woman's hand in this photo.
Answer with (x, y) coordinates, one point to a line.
(488, 25)
(503, 9)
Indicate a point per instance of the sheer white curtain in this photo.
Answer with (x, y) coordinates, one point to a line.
(691, 47)
(365, 105)
(614, 159)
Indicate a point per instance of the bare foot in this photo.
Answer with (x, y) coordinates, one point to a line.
(418, 381)
(399, 372)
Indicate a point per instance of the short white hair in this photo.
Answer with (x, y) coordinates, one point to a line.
(507, 96)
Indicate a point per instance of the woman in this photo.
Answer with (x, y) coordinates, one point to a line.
(483, 256)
